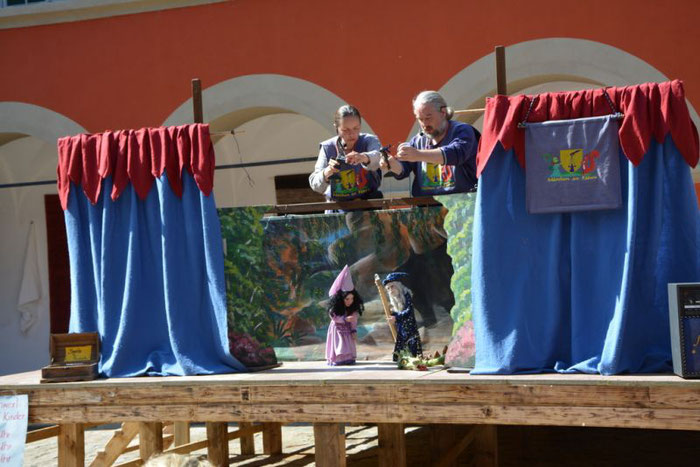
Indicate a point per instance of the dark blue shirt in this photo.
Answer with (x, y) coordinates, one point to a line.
(457, 175)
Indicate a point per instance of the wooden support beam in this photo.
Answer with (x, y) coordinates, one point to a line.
(448, 441)
(329, 444)
(181, 430)
(272, 438)
(150, 439)
(449, 457)
(485, 446)
(247, 440)
(392, 445)
(197, 108)
(217, 447)
(116, 446)
(501, 82)
(71, 445)
(42, 433)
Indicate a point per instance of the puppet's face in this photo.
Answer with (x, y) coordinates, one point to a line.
(393, 289)
(349, 298)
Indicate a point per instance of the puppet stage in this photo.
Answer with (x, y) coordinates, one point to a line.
(367, 393)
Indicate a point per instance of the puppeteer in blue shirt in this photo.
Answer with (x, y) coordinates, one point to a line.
(442, 157)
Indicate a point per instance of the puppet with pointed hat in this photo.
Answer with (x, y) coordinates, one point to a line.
(400, 297)
(345, 307)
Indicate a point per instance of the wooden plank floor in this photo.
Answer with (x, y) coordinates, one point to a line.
(372, 392)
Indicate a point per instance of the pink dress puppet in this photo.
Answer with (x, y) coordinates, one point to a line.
(345, 308)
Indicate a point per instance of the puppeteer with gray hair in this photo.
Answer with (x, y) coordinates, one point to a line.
(442, 157)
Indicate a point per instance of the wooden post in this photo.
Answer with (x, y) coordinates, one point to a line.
(150, 439)
(248, 440)
(71, 445)
(485, 446)
(181, 430)
(197, 108)
(392, 445)
(272, 438)
(501, 83)
(329, 444)
(217, 443)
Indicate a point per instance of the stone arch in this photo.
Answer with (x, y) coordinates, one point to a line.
(541, 61)
(18, 119)
(238, 100)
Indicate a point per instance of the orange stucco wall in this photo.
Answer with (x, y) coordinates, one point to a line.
(134, 70)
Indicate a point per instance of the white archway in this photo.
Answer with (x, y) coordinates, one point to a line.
(252, 96)
(544, 60)
(28, 135)
(33, 120)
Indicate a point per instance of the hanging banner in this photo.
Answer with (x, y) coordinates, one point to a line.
(572, 165)
(13, 429)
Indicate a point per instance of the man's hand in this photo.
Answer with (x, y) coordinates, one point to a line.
(333, 168)
(393, 165)
(408, 153)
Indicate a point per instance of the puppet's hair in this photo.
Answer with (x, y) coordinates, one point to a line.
(336, 305)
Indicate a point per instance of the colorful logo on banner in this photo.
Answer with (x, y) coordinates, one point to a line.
(437, 176)
(571, 165)
(350, 183)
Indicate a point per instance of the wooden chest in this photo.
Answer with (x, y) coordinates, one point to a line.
(74, 357)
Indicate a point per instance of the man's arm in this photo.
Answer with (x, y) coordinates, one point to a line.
(462, 149)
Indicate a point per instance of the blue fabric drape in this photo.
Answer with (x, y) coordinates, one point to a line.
(586, 291)
(148, 276)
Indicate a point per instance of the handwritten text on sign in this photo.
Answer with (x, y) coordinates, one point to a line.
(13, 429)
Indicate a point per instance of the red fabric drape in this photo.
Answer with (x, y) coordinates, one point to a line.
(650, 109)
(136, 156)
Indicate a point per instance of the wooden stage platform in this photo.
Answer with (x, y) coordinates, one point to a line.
(367, 393)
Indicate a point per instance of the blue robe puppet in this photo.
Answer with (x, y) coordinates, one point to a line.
(407, 336)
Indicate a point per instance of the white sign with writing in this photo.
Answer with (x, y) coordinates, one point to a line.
(13, 429)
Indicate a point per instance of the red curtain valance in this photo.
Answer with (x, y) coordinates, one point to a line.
(650, 109)
(136, 156)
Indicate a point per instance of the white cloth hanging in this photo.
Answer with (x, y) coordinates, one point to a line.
(30, 288)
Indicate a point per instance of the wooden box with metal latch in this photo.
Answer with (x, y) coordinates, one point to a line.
(74, 357)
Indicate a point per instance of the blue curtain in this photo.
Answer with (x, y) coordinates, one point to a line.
(148, 276)
(582, 292)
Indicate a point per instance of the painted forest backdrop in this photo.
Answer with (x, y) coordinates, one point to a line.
(279, 269)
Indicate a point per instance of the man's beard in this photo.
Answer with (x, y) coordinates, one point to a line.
(397, 300)
(435, 132)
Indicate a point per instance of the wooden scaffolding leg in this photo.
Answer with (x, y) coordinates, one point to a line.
(329, 440)
(485, 446)
(217, 444)
(181, 430)
(392, 445)
(71, 445)
(115, 446)
(449, 441)
(272, 438)
(150, 439)
(248, 440)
